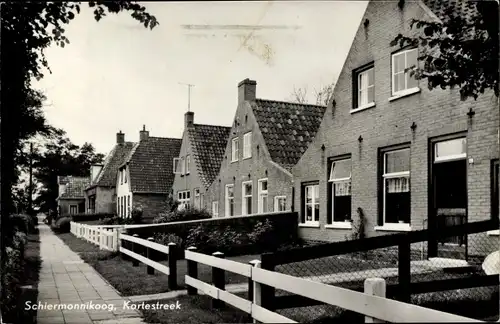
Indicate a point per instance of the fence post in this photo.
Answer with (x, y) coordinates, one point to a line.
(374, 287)
(253, 263)
(268, 292)
(192, 271)
(218, 280)
(257, 289)
(404, 269)
(135, 248)
(149, 254)
(172, 266)
(102, 237)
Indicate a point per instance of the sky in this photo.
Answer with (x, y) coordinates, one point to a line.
(117, 75)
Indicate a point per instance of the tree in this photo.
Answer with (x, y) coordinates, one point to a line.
(61, 158)
(460, 50)
(27, 29)
(323, 95)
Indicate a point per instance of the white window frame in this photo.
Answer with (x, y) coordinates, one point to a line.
(76, 207)
(452, 157)
(184, 201)
(406, 90)
(188, 163)
(262, 193)
(392, 175)
(235, 150)
(215, 208)
(183, 166)
(177, 162)
(276, 203)
(361, 90)
(315, 201)
(332, 182)
(244, 197)
(228, 199)
(247, 145)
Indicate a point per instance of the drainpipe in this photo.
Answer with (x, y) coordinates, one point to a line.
(423, 242)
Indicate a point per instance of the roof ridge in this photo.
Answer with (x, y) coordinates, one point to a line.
(194, 124)
(173, 138)
(290, 102)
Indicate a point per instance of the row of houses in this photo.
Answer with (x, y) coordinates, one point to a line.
(385, 147)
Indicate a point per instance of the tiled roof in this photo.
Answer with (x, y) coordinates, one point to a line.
(288, 128)
(107, 176)
(151, 164)
(74, 187)
(208, 145)
(462, 7)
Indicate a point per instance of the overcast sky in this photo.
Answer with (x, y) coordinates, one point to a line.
(117, 75)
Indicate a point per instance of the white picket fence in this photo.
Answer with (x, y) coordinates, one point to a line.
(106, 237)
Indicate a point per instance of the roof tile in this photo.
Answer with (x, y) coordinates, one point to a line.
(107, 176)
(74, 187)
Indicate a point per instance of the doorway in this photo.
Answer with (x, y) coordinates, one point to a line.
(448, 196)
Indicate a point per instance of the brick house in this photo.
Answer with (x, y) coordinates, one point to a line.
(71, 198)
(199, 161)
(266, 139)
(100, 195)
(146, 175)
(408, 157)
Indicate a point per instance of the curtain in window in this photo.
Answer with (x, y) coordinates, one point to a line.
(395, 185)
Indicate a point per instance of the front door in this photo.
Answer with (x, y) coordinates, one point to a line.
(449, 188)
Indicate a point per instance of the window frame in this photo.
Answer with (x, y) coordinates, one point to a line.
(244, 205)
(383, 176)
(184, 202)
(406, 89)
(76, 207)
(227, 199)
(449, 158)
(303, 219)
(260, 194)
(235, 149)
(276, 203)
(331, 182)
(247, 145)
(176, 163)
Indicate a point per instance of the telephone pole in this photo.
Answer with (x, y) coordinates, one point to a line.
(189, 93)
(31, 181)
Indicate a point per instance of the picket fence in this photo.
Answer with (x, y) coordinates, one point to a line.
(371, 303)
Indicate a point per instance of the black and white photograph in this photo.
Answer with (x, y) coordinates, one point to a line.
(249, 161)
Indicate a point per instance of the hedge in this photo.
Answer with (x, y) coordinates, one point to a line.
(91, 217)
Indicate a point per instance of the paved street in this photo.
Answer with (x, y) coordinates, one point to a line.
(67, 281)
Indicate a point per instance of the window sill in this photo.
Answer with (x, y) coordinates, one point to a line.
(313, 225)
(234, 161)
(339, 225)
(404, 93)
(248, 157)
(394, 228)
(355, 110)
(493, 233)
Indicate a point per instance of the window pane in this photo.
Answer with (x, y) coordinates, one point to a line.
(264, 204)
(452, 147)
(363, 98)
(249, 205)
(411, 81)
(400, 82)
(316, 212)
(370, 95)
(309, 213)
(343, 188)
(316, 193)
(342, 208)
(397, 207)
(371, 76)
(399, 63)
(395, 185)
(397, 161)
(411, 58)
(340, 169)
(248, 189)
(263, 185)
(188, 194)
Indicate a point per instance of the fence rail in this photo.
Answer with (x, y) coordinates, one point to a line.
(106, 237)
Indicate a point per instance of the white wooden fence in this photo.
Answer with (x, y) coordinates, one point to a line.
(106, 237)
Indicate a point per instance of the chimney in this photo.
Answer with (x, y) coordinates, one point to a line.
(246, 90)
(120, 138)
(143, 134)
(188, 119)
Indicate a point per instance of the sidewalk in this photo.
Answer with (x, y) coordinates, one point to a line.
(66, 281)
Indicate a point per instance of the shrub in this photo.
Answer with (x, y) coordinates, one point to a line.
(186, 214)
(91, 217)
(136, 214)
(165, 238)
(63, 225)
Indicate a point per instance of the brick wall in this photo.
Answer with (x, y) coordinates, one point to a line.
(436, 113)
(64, 205)
(254, 168)
(152, 204)
(105, 200)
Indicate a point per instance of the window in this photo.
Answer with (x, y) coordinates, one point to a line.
(183, 166)
(184, 198)
(262, 202)
(280, 203)
(122, 208)
(73, 209)
(402, 80)
(365, 87)
(229, 200)
(247, 145)
(310, 204)
(396, 187)
(234, 149)
(215, 208)
(176, 166)
(246, 199)
(197, 198)
(125, 175)
(339, 183)
(128, 205)
(188, 163)
(455, 149)
(121, 176)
